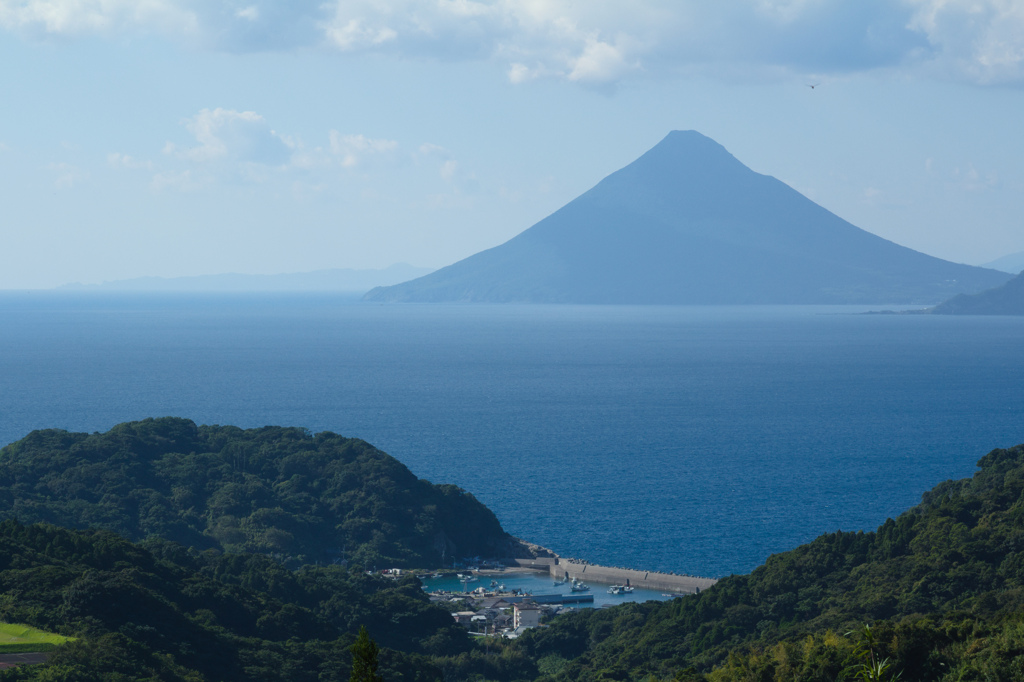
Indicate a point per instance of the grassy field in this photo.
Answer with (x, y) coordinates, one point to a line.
(20, 639)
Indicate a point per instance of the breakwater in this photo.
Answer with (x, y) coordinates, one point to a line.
(559, 569)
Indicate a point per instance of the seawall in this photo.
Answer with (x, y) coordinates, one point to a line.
(559, 568)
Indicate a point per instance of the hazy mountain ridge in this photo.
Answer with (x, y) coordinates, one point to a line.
(1007, 299)
(1012, 263)
(688, 223)
(356, 281)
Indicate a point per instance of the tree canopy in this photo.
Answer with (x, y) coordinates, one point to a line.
(279, 491)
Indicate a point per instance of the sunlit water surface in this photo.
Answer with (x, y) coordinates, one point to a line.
(691, 439)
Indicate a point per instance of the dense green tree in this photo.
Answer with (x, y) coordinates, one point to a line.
(365, 655)
(283, 492)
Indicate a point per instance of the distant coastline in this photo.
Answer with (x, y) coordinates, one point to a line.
(340, 280)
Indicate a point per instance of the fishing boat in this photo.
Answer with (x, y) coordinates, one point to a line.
(578, 586)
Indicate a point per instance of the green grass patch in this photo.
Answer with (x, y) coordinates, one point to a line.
(21, 639)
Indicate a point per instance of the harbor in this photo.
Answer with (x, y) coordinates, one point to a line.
(516, 585)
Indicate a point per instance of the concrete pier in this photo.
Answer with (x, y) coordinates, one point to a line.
(559, 568)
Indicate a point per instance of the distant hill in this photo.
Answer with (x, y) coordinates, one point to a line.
(278, 491)
(336, 280)
(687, 223)
(1007, 299)
(1013, 263)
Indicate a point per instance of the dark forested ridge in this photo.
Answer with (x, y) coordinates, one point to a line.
(165, 612)
(281, 491)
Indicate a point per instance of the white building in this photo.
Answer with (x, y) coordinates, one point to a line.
(525, 614)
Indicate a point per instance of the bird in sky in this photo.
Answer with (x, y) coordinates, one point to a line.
(813, 86)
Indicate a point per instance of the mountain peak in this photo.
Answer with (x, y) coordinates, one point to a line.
(688, 223)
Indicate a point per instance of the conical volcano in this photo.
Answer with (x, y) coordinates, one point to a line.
(687, 223)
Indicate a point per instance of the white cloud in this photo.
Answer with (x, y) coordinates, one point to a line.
(118, 160)
(599, 62)
(251, 13)
(240, 146)
(597, 41)
(66, 175)
(353, 149)
(72, 17)
(180, 180)
(971, 179)
(982, 40)
(450, 170)
(226, 135)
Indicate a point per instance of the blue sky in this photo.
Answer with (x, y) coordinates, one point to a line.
(184, 137)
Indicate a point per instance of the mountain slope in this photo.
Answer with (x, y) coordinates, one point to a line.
(1007, 299)
(688, 223)
(280, 491)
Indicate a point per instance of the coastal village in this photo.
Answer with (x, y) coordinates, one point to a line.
(486, 607)
(495, 610)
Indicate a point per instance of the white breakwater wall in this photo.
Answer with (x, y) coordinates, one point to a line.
(651, 580)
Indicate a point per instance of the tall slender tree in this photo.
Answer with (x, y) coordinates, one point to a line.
(364, 658)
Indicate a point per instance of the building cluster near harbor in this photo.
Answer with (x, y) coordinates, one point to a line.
(494, 610)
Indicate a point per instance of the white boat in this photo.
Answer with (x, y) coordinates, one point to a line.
(578, 586)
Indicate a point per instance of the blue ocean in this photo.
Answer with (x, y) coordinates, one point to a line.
(691, 439)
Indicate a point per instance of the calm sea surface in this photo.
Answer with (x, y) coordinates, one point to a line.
(688, 439)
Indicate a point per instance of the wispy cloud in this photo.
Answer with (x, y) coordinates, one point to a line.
(66, 175)
(225, 135)
(598, 41)
(351, 150)
(227, 146)
(118, 160)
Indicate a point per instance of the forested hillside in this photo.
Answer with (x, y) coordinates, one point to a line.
(278, 491)
(943, 585)
(161, 611)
